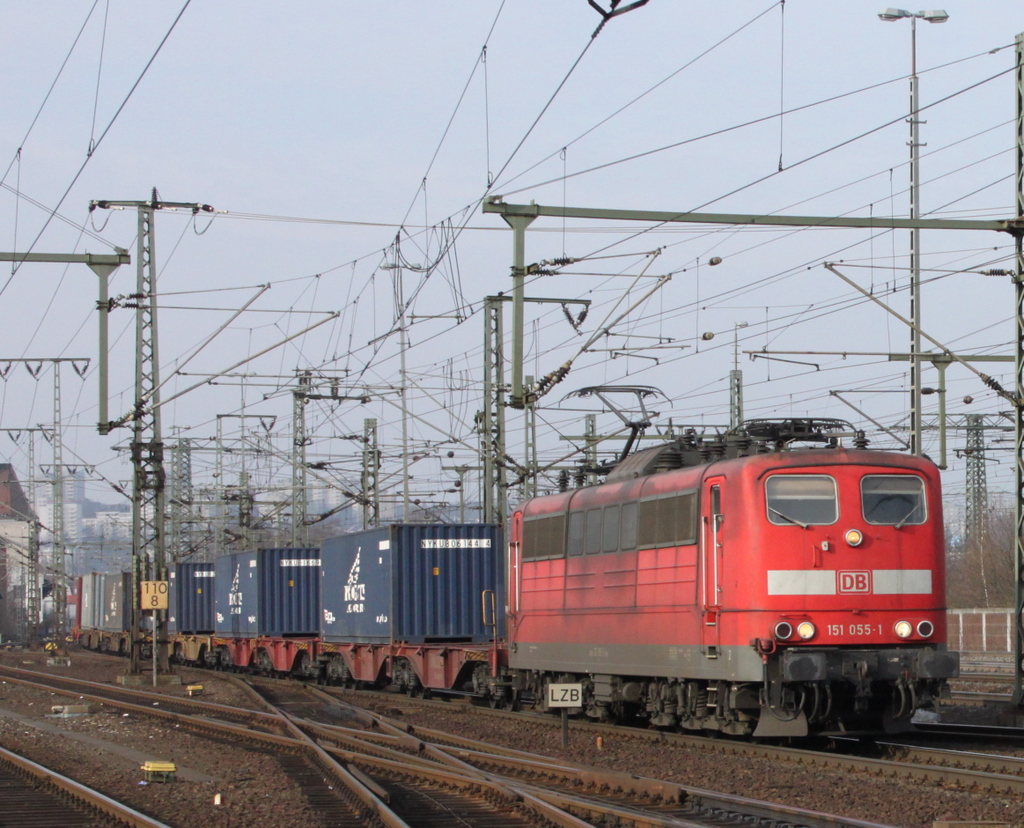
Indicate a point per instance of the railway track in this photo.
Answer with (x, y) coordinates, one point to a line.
(343, 803)
(966, 769)
(401, 779)
(35, 796)
(581, 791)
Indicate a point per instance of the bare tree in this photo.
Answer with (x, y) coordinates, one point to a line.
(980, 571)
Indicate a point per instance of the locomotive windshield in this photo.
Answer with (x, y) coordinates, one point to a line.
(893, 500)
(802, 499)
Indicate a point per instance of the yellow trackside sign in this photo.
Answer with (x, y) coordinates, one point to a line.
(154, 595)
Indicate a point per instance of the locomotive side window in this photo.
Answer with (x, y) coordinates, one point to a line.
(577, 532)
(627, 525)
(893, 500)
(668, 520)
(611, 529)
(686, 517)
(802, 500)
(544, 537)
(593, 542)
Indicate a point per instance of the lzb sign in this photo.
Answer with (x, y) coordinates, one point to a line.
(565, 695)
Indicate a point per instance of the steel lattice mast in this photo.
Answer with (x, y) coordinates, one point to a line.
(147, 448)
(976, 513)
(1018, 410)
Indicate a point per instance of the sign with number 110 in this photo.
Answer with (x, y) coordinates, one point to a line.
(154, 595)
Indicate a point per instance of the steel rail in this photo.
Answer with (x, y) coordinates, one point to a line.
(469, 755)
(986, 762)
(107, 694)
(294, 743)
(972, 779)
(968, 778)
(399, 765)
(93, 800)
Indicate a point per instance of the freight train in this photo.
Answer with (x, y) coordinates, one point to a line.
(773, 582)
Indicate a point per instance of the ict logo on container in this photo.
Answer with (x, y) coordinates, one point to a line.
(355, 592)
(235, 595)
(853, 583)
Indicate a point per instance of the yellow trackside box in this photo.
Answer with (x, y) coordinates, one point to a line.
(194, 689)
(159, 771)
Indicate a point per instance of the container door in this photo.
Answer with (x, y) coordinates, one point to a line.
(712, 530)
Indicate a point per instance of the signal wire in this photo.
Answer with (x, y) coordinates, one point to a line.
(49, 91)
(763, 119)
(481, 60)
(99, 75)
(640, 97)
(88, 157)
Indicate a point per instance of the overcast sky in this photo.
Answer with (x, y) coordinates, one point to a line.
(322, 131)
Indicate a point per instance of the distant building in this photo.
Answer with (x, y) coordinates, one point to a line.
(109, 526)
(17, 523)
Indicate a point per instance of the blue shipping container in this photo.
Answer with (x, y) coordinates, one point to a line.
(193, 597)
(289, 592)
(414, 583)
(235, 595)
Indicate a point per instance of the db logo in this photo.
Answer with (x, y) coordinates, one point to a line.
(854, 581)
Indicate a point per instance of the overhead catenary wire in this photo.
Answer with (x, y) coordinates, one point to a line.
(95, 146)
(349, 286)
(49, 92)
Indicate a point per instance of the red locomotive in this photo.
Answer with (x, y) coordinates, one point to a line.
(739, 585)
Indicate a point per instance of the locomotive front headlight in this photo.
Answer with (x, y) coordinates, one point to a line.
(925, 629)
(783, 630)
(903, 629)
(854, 537)
(806, 630)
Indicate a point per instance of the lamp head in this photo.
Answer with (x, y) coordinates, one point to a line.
(934, 16)
(891, 14)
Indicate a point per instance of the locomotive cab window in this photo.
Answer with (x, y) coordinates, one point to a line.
(893, 500)
(801, 500)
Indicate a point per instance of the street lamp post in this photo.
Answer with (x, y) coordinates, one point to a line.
(933, 16)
